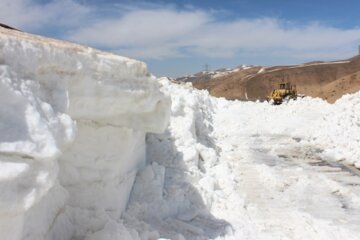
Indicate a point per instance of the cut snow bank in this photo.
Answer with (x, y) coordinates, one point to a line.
(173, 195)
(72, 135)
(339, 130)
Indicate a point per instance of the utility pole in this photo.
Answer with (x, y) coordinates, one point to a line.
(359, 49)
(207, 66)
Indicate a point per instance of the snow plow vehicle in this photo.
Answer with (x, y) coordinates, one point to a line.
(285, 91)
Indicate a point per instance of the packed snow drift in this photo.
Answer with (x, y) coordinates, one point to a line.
(73, 124)
(93, 147)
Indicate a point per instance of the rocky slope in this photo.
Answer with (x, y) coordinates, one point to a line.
(327, 80)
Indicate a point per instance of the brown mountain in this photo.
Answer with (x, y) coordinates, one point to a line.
(328, 80)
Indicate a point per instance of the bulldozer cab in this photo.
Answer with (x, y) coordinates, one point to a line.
(286, 86)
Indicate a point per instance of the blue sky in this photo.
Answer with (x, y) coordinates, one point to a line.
(179, 37)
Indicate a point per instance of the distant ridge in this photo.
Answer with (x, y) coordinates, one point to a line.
(327, 80)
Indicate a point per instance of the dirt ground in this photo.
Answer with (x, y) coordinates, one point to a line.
(327, 80)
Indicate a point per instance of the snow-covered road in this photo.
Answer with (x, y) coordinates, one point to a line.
(285, 187)
(246, 170)
(290, 192)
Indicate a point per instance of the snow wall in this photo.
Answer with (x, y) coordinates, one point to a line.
(72, 123)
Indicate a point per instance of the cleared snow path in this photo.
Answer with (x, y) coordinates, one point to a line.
(245, 170)
(287, 186)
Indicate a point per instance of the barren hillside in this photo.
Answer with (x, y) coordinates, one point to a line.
(328, 80)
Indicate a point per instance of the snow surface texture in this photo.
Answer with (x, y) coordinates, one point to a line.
(246, 170)
(72, 123)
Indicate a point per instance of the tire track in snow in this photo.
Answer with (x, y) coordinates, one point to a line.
(291, 191)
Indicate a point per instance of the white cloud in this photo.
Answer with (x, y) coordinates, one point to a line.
(148, 31)
(153, 52)
(29, 15)
(165, 32)
(143, 28)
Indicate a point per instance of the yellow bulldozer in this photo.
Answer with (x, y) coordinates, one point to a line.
(284, 92)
